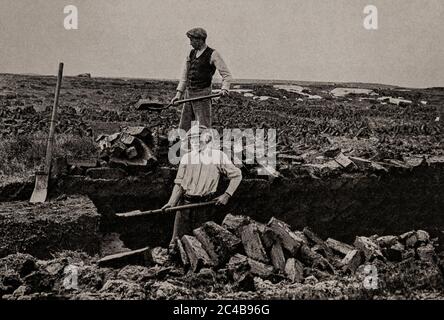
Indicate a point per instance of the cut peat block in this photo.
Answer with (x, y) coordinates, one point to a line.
(370, 249)
(339, 246)
(289, 240)
(218, 242)
(234, 223)
(197, 255)
(252, 243)
(294, 270)
(239, 262)
(140, 257)
(322, 246)
(352, 261)
(314, 259)
(183, 254)
(277, 257)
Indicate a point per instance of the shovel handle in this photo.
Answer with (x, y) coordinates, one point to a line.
(53, 120)
(197, 98)
(167, 210)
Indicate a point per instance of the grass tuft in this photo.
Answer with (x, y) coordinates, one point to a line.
(21, 155)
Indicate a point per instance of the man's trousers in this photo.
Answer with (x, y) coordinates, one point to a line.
(188, 220)
(196, 110)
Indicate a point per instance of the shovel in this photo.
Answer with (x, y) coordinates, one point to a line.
(41, 178)
(156, 105)
(138, 213)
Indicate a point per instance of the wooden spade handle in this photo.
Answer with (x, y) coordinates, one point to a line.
(198, 98)
(53, 120)
(167, 210)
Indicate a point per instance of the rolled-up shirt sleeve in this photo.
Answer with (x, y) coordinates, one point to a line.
(180, 174)
(183, 77)
(223, 70)
(233, 173)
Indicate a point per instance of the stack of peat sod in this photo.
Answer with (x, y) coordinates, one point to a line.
(272, 251)
(131, 147)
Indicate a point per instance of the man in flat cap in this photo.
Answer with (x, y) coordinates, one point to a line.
(197, 74)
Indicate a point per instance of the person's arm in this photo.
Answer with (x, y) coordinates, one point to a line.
(182, 81)
(223, 70)
(235, 181)
(175, 197)
(233, 173)
(178, 191)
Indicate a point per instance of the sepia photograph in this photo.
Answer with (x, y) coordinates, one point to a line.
(221, 155)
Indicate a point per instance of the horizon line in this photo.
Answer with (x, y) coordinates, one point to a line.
(235, 81)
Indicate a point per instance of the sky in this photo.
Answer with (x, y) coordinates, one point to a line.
(306, 40)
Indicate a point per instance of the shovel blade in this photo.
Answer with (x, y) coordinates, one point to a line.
(151, 105)
(40, 189)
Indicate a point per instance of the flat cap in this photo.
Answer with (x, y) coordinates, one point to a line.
(196, 130)
(205, 134)
(197, 33)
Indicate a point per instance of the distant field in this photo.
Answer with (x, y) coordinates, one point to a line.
(360, 124)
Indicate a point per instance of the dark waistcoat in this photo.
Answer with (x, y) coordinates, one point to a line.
(200, 71)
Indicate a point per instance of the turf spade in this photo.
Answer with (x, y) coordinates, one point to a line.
(42, 178)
